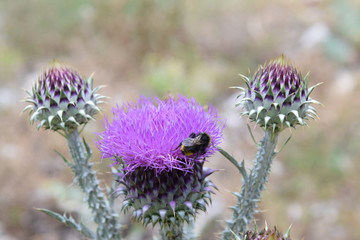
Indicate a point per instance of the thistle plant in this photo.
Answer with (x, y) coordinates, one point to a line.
(62, 101)
(159, 148)
(162, 185)
(276, 98)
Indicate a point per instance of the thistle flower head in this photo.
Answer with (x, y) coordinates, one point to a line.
(277, 96)
(161, 184)
(61, 99)
(149, 133)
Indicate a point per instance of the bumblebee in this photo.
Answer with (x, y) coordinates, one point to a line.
(195, 144)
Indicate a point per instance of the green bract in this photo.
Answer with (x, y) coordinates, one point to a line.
(267, 234)
(169, 198)
(277, 96)
(62, 100)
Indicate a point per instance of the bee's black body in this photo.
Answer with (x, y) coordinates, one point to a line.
(195, 144)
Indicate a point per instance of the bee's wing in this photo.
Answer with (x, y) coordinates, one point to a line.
(188, 142)
(197, 140)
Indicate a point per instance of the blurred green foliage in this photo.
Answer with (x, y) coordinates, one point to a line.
(36, 26)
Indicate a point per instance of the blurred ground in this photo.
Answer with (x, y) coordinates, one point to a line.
(196, 48)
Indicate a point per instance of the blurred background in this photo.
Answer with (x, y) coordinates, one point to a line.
(196, 48)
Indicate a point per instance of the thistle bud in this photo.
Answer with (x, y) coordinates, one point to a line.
(267, 234)
(277, 96)
(161, 182)
(62, 100)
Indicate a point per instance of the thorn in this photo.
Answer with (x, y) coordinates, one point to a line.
(27, 107)
(266, 120)
(50, 118)
(154, 219)
(266, 226)
(60, 114)
(229, 222)
(273, 128)
(245, 78)
(252, 135)
(310, 116)
(82, 112)
(300, 120)
(259, 110)
(276, 105)
(173, 206)
(282, 147)
(295, 112)
(252, 112)
(147, 221)
(237, 194)
(281, 118)
(312, 108)
(287, 233)
(34, 116)
(313, 87)
(62, 124)
(312, 101)
(255, 200)
(72, 119)
(233, 208)
(240, 88)
(145, 208)
(162, 213)
(201, 202)
(41, 124)
(181, 214)
(245, 100)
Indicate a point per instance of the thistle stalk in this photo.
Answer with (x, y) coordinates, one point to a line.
(275, 98)
(252, 187)
(62, 101)
(85, 177)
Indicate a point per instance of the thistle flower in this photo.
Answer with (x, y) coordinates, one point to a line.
(160, 183)
(61, 99)
(267, 234)
(277, 96)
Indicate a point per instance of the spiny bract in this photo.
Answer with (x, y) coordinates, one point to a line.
(167, 198)
(277, 96)
(62, 100)
(267, 234)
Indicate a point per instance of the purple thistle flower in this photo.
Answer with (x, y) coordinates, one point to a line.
(147, 134)
(161, 184)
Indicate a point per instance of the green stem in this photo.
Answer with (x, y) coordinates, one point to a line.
(85, 177)
(189, 231)
(253, 185)
(173, 232)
